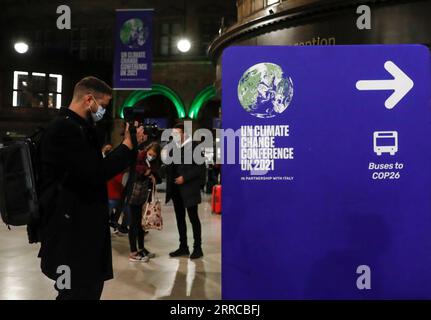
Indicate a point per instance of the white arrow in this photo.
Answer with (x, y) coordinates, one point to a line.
(401, 84)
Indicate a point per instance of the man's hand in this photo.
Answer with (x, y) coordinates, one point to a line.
(140, 136)
(179, 180)
(127, 138)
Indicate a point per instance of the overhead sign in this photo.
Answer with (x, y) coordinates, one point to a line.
(133, 49)
(330, 196)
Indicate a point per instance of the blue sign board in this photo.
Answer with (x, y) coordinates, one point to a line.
(133, 49)
(330, 194)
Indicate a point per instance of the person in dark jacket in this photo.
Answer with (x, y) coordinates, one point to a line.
(75, 235)
(183, 186)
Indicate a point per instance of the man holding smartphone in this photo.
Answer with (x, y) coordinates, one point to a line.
(75, 235)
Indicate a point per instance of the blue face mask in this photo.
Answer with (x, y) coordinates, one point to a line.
(99, 113)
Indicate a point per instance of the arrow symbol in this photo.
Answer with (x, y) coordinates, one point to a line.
(401, 84)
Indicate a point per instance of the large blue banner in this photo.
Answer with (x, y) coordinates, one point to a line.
(133, 49)
(330, 196)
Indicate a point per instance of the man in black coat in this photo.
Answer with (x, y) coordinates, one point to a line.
(75, 235)
(183, 186)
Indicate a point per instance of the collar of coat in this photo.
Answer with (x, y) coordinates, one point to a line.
(83, 122)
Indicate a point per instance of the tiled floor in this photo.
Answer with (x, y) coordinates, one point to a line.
(161, 278)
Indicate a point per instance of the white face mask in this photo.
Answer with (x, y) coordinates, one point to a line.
(150, 158)
(99, 113)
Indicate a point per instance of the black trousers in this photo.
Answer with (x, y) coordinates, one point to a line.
(180, 214)
(85, 292)
(136, 233)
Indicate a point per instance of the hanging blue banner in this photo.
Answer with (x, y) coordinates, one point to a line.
(133, 49)
(330, 195)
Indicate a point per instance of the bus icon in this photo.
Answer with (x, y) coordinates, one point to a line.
(385, 142)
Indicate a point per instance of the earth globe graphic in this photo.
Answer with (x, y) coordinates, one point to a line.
(264, 91)
(133, 33)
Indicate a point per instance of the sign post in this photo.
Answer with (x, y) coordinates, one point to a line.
(330, 196)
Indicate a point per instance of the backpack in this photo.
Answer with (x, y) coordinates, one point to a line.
(19, 183)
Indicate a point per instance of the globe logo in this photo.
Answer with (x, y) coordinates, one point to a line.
(133, 33)
(264, 91)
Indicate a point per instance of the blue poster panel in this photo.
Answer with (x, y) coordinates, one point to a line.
(330, 193)
(133, 49)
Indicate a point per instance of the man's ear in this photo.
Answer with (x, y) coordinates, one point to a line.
(88, 98)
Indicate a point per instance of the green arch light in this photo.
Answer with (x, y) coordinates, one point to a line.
(156, 89)
(204, 96)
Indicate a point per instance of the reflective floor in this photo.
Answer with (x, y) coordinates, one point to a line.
(161, 278)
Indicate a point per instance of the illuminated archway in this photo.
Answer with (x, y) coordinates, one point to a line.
(203, 97)
(156, 89)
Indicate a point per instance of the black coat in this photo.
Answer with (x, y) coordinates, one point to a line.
(75, 229)
(194, 176)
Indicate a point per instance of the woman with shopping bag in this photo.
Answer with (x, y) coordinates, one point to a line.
(145, 180)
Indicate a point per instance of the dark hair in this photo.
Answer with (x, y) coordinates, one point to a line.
(91, 85)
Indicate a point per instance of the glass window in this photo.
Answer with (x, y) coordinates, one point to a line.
(38, 100)
(20, 87)
(170, 33)
(164, 46)
(55, 90)
(174, 43)
(20, 80)
(36, 89)
(38, 81)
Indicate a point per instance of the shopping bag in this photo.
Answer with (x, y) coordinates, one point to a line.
(152, 214)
